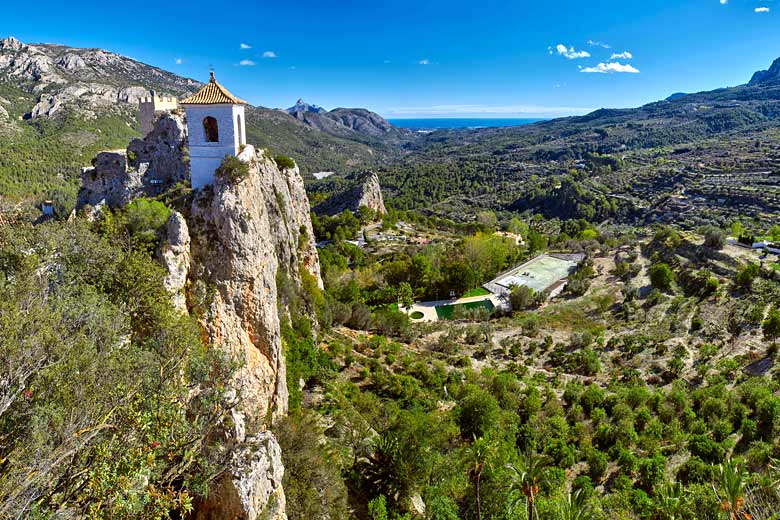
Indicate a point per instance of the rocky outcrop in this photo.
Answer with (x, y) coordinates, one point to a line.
(160, 156)
(148, 167)
(253, 489)
(764, 76)
(246, 234)
(303, 106)
(366, 191)
(175, 256)
(90, 81)
(109, 181)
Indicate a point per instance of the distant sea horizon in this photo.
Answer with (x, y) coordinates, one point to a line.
(444, 123)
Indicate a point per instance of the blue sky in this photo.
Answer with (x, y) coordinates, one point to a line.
(429, 58)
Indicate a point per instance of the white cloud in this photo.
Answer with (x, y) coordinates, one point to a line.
(245, 46)
(424, 62)
(483, 110)
(625, 55)
(761, 9)
(269, 54)
(724, 2)
(246, 63)
(609, 68)
(568, 52)
(598, 44)
(178, 61)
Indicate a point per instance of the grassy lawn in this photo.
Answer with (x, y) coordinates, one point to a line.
(445, 312)
(479, 291)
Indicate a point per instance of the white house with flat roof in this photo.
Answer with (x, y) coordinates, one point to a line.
(215, 127)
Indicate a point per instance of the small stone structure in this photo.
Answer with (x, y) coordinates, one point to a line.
(150, 107)
(216, 128)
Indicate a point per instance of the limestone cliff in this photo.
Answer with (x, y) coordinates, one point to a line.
(247, 233)
(174, 253)
(243, 234)
(365, 192)
(225, 254)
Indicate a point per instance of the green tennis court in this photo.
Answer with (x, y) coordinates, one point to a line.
(446, 312)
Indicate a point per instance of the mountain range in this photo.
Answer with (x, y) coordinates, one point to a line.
(60, 105)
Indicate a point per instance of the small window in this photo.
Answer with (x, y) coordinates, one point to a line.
(211, 130)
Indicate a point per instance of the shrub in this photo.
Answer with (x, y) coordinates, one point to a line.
(714, 237)
(145, 220)
(232, 169)
(521, 297)
(771, 325)
(746, 275)
(597, 464)
(661, 276)
(284, 162)
(477, 413)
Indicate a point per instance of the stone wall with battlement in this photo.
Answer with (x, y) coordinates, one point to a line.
(152, 106)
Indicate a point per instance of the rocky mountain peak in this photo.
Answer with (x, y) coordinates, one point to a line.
(88, 81)
(302, 106)
(11, 44)
(763, 76)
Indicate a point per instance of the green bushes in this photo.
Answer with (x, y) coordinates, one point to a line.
(146, 220)
(284, 162)
(477, 413)
(232, 169)
(118, 386)
(661, 276)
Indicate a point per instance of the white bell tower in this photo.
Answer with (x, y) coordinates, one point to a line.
(215, 127)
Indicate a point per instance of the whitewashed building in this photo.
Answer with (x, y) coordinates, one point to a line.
(215, 127)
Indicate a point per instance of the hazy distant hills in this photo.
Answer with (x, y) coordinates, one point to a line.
(681, 118)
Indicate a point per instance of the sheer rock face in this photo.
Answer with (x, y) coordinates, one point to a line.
(244, 233)
(253, 490)
(371, 195)
(160, 155)
(367, 192)
(175, 255)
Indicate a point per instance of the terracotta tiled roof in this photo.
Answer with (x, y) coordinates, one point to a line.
(212, 94)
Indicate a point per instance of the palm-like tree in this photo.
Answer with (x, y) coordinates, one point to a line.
(480, 453)
(575, 507)
(526, 477)
(731, 480)
(671, 501)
